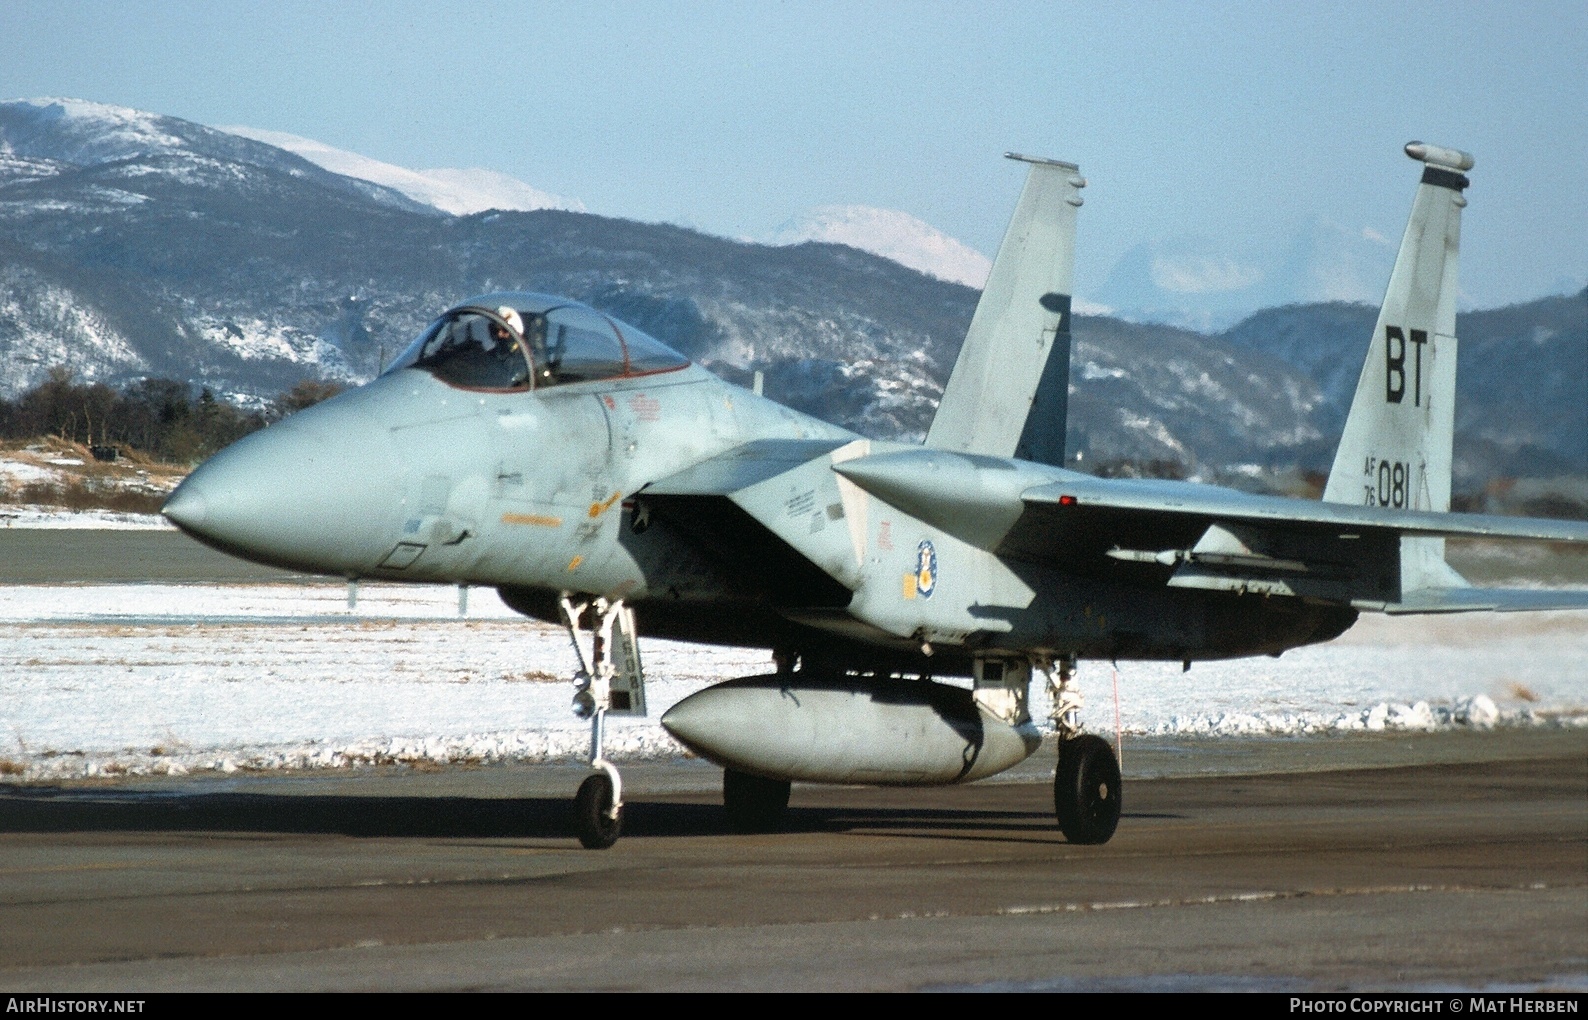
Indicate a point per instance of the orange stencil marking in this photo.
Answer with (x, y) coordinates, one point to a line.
(538, 520)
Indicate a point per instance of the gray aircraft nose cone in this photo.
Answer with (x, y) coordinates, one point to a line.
(185, 508)
(316, 493)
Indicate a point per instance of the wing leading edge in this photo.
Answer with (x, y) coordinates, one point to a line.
(1169, 498)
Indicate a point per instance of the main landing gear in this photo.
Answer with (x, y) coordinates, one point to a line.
(1086, 786)
(609, 681)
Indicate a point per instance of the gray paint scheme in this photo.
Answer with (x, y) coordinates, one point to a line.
(1009, 392)
(889, 732)
(721, 516)
(1396, 449)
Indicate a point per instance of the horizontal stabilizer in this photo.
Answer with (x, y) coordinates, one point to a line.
(1495, 600)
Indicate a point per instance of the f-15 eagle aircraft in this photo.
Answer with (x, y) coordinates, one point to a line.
(599, 480)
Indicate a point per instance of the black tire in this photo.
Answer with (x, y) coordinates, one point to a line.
(754, 804)
(591, 806)
(1086, 790)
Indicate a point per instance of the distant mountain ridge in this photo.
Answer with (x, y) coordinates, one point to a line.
(893, 235)
(136, 245)
(459, 192)
(1193, 282)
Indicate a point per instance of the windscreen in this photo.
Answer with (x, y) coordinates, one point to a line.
(508, 348)
(473, 348)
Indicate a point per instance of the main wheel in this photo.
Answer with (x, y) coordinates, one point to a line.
(1086, 794)
(754, 804)
(592, 811)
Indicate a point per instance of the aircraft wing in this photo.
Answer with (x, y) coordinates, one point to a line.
(1128, 498)
(1219, 539)
(741, 467)
(1185, 535)
(769, 509)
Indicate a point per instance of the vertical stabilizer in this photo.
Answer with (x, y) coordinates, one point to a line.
(1396, 448)
(1009, 391)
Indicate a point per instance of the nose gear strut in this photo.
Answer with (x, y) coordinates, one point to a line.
(609, 680)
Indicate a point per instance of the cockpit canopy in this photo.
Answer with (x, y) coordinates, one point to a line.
(522, 341)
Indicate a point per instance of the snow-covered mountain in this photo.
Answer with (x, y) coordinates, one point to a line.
(893, 235)
(41, 138)
(459, 192)
(134, 245)
(1201, 283)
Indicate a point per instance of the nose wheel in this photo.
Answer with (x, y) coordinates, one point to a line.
(609, 681)
(598, 816)
(1086, 785)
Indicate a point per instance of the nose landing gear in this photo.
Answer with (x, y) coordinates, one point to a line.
(610, 680)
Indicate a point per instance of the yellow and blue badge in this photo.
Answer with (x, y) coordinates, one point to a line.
(925, 568)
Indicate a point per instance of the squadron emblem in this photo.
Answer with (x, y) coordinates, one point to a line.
(925, 568)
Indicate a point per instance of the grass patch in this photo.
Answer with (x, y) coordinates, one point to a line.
(82, 495)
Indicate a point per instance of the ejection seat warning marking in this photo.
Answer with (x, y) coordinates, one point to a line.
(573, 564)
(909, 585)
(597, 509)
(538, 520)
(646, 408)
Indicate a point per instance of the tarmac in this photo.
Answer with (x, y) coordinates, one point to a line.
(1437, 861)
(1370, 862)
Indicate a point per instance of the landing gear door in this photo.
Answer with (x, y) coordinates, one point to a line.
(1002, 687)
(628, 679)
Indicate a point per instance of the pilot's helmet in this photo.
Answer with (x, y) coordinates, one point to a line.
(512, 318)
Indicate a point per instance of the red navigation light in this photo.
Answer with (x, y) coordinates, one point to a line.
(1066, 501)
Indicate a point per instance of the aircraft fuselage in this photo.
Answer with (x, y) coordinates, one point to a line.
(541, 491)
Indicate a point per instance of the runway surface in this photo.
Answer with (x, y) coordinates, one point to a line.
(87, 556)
(1370, 862)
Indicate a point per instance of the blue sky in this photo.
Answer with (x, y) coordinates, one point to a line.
(1231, 121)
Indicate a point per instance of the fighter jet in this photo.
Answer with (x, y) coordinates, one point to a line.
(908, 594)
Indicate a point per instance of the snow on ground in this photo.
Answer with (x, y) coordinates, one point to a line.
(23, 516)
(115, 679)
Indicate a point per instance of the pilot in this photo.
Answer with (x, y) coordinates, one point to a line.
(508, 341)
(535, 341)
(507, 338)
